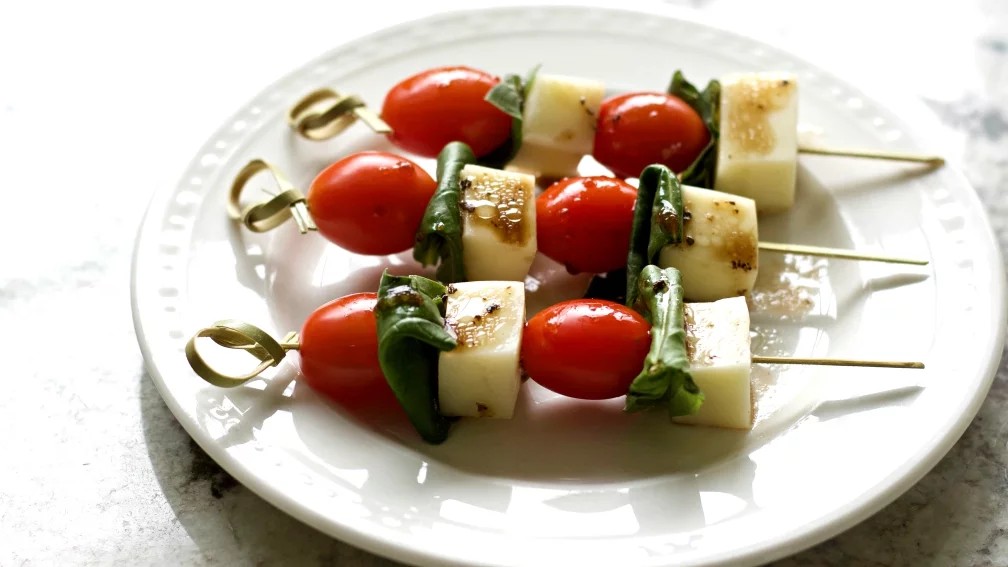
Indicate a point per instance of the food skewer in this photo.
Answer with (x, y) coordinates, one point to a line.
(738, 135)
(444, 351)
(482, 223)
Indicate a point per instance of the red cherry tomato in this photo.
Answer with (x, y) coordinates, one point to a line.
(430, 109)
(371, 202)
(339, 353)
(586, 348)
(584, 223)
(636, 130)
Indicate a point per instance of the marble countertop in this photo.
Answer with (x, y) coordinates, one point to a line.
(96, 470)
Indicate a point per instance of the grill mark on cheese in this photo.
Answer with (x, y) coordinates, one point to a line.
(736, 246)
(475, 330)
(695, 351)
(751, 102)
(498, 202)
(690, 335)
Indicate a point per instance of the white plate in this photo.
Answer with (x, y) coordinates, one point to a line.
(580, 483)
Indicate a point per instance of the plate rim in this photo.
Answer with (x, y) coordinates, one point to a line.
(840, 519)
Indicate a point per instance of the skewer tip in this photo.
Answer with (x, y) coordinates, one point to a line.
(757, 359)
(838, 253)
(927, 159)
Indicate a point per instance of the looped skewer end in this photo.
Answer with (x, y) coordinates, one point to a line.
(267, 215)
(324, 113)
(239, 335)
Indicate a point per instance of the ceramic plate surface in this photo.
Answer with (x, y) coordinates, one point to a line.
(566, 482)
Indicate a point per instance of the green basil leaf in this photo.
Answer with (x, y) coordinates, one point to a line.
(411, 334)
(528, 81)
(708, 105)
(440, 234)
(509, 96)
(658, 221)
(665, 379)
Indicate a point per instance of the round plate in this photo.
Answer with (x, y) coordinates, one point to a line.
(566, 482)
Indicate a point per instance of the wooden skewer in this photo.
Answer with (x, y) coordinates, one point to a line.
(873, 154)
(837, 253)
(835, 362)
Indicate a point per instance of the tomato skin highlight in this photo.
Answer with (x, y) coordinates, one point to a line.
(585, 223)
(339, 353)
(446, 104)
(371, 202)
(636, 130)
(586, 348)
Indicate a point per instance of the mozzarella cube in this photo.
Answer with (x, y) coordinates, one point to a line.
(717, 336)
(719, 256)
(481, 376)
(560, 113)
(758, 149)
(498, 223)
(544, 161)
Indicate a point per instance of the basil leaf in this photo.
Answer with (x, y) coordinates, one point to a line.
(440, 234)
(411, 333)
(528, 81)
(665, 379)
(708, 105)
(658, 221)
(509, 96)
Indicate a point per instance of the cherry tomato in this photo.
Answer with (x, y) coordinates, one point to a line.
(430, 109)
(371, 202)
(586, 348)
(584, 223)
(636, 130)
(339, 353)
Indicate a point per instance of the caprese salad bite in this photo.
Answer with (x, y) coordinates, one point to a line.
(478, 223)
(442, 352)
(712, 238)
(474, 222)
(738, 135)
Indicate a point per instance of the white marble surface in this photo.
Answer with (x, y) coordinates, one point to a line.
(102, 104)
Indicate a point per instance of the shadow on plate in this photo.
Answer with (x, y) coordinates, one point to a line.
(560, 439)
(833, 409)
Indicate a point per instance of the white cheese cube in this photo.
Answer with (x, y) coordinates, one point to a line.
(560, 113)
(544, 161)
(758, 149)
(481, 376)
(717, 336)
(720, 253)
(498, 223)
